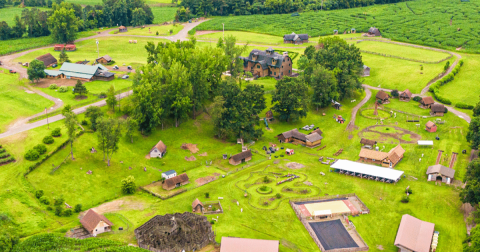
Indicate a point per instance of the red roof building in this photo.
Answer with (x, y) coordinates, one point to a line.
(58, 47)
(431, 127)
(232, 244)
(70, 47)
(414, 234)
(96, 223)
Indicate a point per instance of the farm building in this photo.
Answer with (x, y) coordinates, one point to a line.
(158, 150)
(437, 109)
(353, 30)
(382, 96)
(48, 60)
(81, 72)
(405, 95)
(122, 29)
(197, 206)
(296, 39)
(241, 157)
(176, 181)
(175, 232)
(366, 71)
(83, 62)
(390, 159)
(427, 102)
(95, 223)
(233, 244)
(104, 59)
(70, 47)
(268, 63)
(374, 32)
(440, 172)
(414, 235)
(431, 127)
(169, 174)
(367, 143)
(367, 171)
(294, 136)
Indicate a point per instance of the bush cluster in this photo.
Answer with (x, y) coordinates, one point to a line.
(417, 98)
(405, 199)
(40, 148)
(63, 89)
(56, 132)
(53, 86)
(31, 155)
(464, 106)
(48, 140)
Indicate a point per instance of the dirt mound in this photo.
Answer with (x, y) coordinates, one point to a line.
(191, 147)
(294, 165)
(118, 205)
(380, 134)
(192, 158)
(205, 180)
(276, 161)
(203, 154)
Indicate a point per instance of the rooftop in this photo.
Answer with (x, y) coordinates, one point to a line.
(414, 234)
(367, 169)
(233, 244)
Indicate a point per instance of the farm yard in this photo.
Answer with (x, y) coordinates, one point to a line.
(257, 195)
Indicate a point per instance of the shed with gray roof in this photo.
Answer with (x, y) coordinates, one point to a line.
(81, 72)
(296, 39)
(440, 172)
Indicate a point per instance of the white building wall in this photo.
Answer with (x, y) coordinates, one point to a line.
(102, 227)
(155, 153)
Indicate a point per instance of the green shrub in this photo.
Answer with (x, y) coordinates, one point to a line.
(58, 201)
(31, 155)
(63, 89)
(48, 140)
(56, 132)
(49, 208)
(409, 191)
(405, 199)
(53, 86)
(464, 106)
(128, 185)
(102, 95)
(84, 122)
(78, 208)
(67, 213)
(44, 200)
(394, 93)
(263, 188)
(212, 222)
(38, 194)
(58, 210)
(278, 195)
(207, 195)
(40, 148)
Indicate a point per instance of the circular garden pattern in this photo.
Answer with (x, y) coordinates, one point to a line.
(368, 113)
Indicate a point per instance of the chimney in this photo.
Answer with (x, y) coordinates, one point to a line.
(285, 54)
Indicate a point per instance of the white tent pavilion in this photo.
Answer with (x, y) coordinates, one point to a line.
(367, 171)
(425, 143)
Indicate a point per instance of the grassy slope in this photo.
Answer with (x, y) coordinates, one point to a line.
(163, 30)
(8, 14)
(15, 102)
(163, 14)
(466, 80)
(401, 51)
(399, 74)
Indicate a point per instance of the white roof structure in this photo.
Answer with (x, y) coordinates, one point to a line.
(322, 212)
(425, 143)
(366, 169)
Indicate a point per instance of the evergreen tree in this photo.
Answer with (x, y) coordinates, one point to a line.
(63, 57)
(80, 89)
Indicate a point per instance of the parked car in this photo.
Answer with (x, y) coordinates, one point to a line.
(54, 65)
(12, 71)
(125, 76)
(129, 67)
(115, 67)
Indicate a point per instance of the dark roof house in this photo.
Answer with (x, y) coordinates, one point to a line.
(365, 141)
(405, 95)
(427, 101)
(47, 59)
(104, 59)
(414, 234)
(437, 109)
(241, 157)
(295, 38)
(374, 31)
(382, 95)
(176, 181)
(268, 63)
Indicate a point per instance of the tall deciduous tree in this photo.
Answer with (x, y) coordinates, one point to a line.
(476, 110)
(19, 28)
(471, 192)
(138, 17)
(111, 99)
(473, 135)
(181, 91)
(109, 132)
(93, 113)
(131, 126)
(71, 124)
(290, 99)
(36, 70)
(63, 23)
(232, 55)
(324, 87)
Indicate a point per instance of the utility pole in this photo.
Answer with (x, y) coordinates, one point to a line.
(98, 50)
(223, 32)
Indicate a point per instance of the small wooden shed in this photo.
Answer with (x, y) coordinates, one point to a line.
(382, 96)
(366, 71)
(437, 109)
(122, 29)
(373, 31)
(405, 95)
(431, 127)
(427, 102)
(197, 206)
(241, 158)
(440, 172)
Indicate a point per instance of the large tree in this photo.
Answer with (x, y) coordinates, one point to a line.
(71, 124)
(476, 110)
(473, 135)
(109, 132)
(111, 99)
(472, 243)
(324, 87)
(131, 126)
(93, 113)
(63, 23)
(471, 192)
(180, 91)
(36, 70)
(290, 99)
(232, 55)
(80, 89)
(138, 17)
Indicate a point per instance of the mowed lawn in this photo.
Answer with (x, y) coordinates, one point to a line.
(163, 14)
(163, 30)
(8, 13)
(408, 52)
(465, 88)
(117, 47)
(400, 74)
(15, 102)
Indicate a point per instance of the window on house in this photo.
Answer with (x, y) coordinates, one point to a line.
(258, 66)
(288, 64)
(288, 71)
(274, 73)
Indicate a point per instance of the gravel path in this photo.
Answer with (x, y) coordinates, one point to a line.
(351, 124)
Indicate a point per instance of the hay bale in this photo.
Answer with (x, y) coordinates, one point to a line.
(191, 147)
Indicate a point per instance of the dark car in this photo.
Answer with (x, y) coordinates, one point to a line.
(129, 67)
(125, 77)
(54, 65)
(115, 67)
(12, 71)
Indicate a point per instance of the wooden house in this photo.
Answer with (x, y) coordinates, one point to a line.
(158, 150)
(104, 59)
(122, 29)
(440, 172)
(176, 181)
(241, 157)
(297, 39)
(437, 109)
(197, 206)
(414, 235)
(431, 127)
(390, 159)
(58, 47)
(383, 97)
(405, 95)
(367, 143)
(427, 102)
(95, 223)
(48, 60)
(374, 32)
(294, 136)
(268, 63)
(70, 47)
(366, 71)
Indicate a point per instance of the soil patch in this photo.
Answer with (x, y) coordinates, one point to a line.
(203, 154)
(308, 183)
(205, 180)
(397, 134)
(191, 147)
(205, 32)
(124, 116)
(80, 97)
(45, 83)
(118, 205)
(294, 165)
(29, 91)
(192, 158)
(380, 247)
(147, 156)
(276, 161)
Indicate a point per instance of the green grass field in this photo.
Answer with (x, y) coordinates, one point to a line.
(163, 30)
(163, 14)
(402, 51)
(15, 102)
(8, 14)
(399, 74)
(465, 87)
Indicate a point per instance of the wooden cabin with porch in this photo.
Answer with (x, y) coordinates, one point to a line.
(294, 136)
(48, 60)
(437, 109)
(197, 206)
(367, 143)
(241, 157)
(390, 159)
(177, 181)
(427, 102)
(405, 95)
(383, 97)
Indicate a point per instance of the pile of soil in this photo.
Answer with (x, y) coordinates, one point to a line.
(191, 147)
(205, 180)
(203, 154)
(294, 165)
(192, 158)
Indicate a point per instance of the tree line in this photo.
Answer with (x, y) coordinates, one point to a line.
(196, 8)
(64, 20)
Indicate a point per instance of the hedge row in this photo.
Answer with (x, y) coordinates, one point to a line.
(435, 87)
